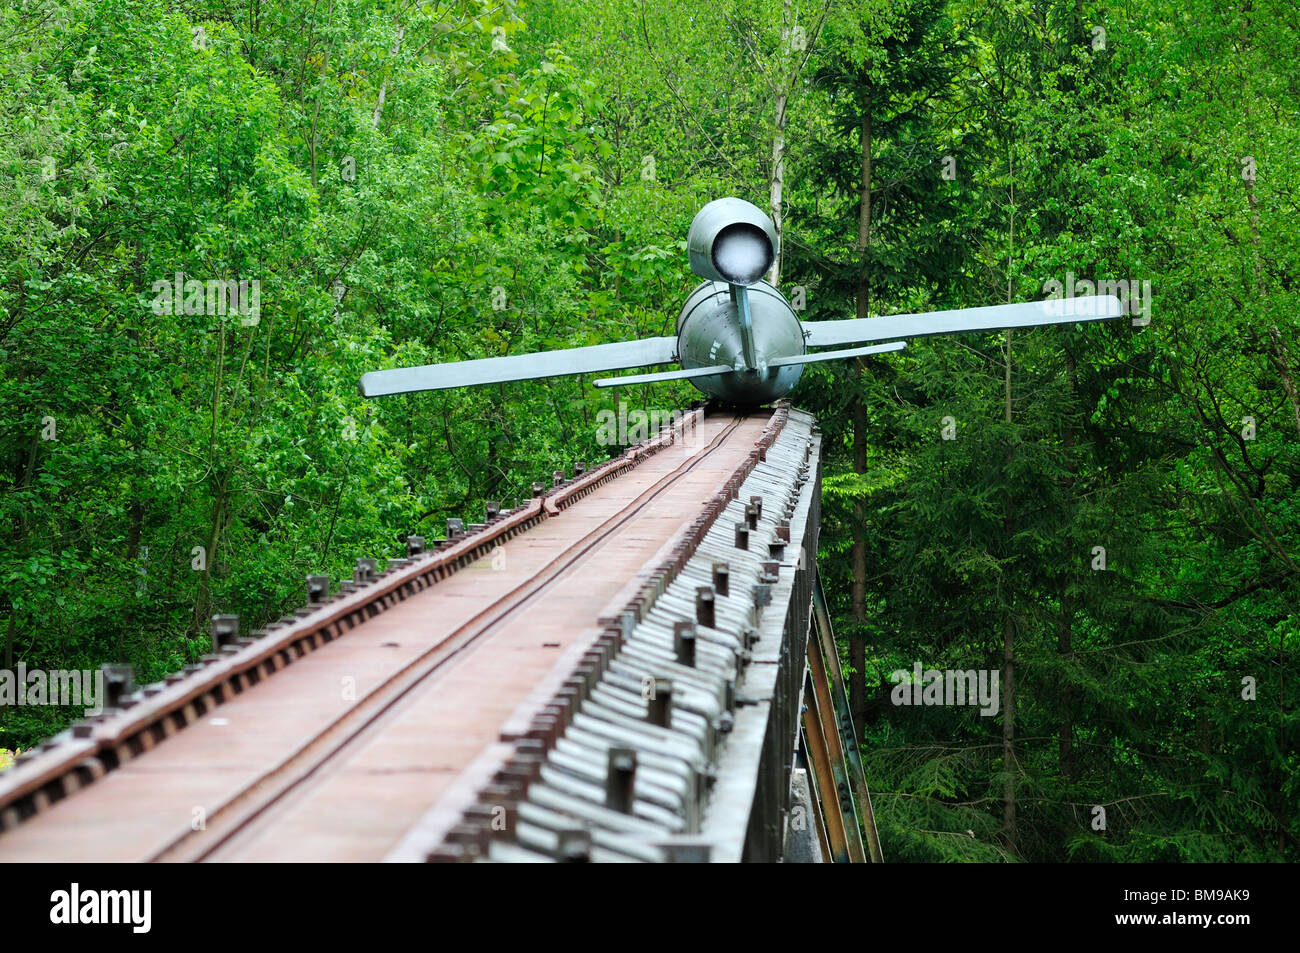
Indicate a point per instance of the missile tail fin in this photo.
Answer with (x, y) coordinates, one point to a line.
(815, 356)
(680, 375)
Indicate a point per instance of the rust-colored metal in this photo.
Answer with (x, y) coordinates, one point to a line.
(823, 635)
(305, 745)
(823, 777)
(814, 805)
(842, 791)
(117, 736)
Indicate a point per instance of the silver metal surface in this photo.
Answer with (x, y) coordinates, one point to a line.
(732, 241)
(740, 298)
(684, 373)
(837, 355)
(710, 332)
(520, 367)
(994, 318)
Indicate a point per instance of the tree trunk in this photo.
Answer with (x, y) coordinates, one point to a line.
(1009, 731)
(787, 66)
(383, 87)
(1065, 624)
(1008, 659)
(1008, 650)
(864, 213)
(857, 637)
(9, 658)
(1008, 653)
(1064, 648)
(203, 604)
(775, 196)
(133, 530)
(1281, 358)
(1008, 623)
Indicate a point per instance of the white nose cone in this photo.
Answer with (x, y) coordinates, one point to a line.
(742, 254)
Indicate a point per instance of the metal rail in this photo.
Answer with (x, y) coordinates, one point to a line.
(136, 722)
(699, 770)
(251, 805)
(626, 688)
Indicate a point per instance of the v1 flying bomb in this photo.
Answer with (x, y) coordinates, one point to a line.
(737, 337)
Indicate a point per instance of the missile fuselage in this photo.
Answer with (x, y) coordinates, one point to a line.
(709, 335)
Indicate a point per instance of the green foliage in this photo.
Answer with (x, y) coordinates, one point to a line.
(1109, 163)
(411, 183)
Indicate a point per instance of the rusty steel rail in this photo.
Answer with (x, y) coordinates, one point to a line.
(630, 682)
(250, 805)
(596, 773)
(91, 748)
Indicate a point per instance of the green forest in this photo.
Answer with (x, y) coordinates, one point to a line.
(1105, 513)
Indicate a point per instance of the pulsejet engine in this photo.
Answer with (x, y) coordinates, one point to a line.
(737, 338)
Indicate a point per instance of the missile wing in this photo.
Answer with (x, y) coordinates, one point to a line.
(997, 317)
(521, 367)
